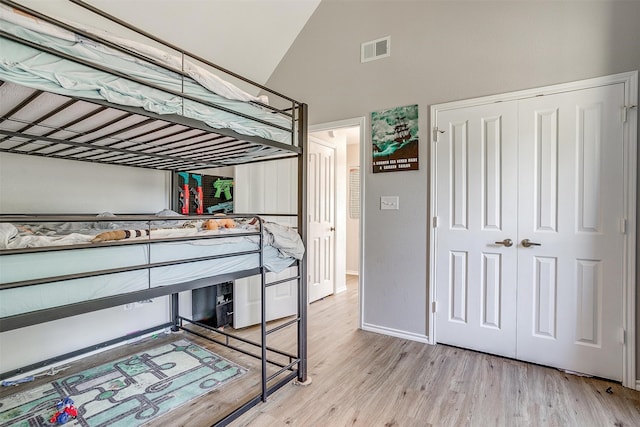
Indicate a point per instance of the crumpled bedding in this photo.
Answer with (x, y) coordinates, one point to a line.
(207, 79)
(286, 239)
(24, 65)
(283, 238)
(11, 238)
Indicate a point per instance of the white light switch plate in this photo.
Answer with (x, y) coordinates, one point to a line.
(389, 203)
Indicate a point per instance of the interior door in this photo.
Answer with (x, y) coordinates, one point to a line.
(571, 206)
(477, 228)
(559, 287)
(321, 219)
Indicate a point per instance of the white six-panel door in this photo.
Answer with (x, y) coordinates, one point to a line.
(548, 169)
(321, 219)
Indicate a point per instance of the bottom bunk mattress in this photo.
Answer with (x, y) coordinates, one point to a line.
(149, 264)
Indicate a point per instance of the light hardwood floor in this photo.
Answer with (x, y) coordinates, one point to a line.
(366, 379)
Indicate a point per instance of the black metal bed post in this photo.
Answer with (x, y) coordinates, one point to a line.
(263, 313)
(175, 301)
(175, 312)
(302, 229)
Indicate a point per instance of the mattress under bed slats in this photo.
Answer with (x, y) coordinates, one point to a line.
(51, 125)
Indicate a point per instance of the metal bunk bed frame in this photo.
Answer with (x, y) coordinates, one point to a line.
(216, 149)
(199, 154)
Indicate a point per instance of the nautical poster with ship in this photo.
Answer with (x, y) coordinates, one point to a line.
(394, 134)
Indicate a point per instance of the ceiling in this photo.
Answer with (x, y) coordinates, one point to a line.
(248, 37)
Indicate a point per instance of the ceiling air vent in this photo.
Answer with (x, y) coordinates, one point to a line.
(375, 49)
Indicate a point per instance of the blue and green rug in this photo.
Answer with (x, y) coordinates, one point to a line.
(128, 392)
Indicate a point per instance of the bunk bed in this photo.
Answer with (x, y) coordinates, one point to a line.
(72, 92)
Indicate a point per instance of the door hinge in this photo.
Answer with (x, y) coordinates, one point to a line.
(436, 131)
(434, 306)
(623, 226)
(623, 336)
(625, 112)
(435, 222)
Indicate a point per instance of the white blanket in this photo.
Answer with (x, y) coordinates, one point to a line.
(286, 239)
(10, 238)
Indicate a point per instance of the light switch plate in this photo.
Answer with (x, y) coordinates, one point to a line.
(389, 203)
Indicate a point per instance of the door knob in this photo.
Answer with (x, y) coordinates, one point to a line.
(507, 242)
(527, 243)
(332, 229)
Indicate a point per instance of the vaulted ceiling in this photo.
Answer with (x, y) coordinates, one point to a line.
(248, 37)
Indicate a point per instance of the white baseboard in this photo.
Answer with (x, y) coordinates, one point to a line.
(395, 333)
(66, 362)
(638, 385)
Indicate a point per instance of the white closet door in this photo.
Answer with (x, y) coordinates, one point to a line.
(477, 206)
(546, 172)
(269, 187)
(571, 204)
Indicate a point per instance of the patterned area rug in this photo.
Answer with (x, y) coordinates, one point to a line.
(127, 392)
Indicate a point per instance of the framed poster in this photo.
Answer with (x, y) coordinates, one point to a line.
(394, 136)
(197, 194)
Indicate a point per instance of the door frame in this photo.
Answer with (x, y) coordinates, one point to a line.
(360, 123)
(630, 137)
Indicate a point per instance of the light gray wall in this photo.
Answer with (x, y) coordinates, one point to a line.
(440, 51)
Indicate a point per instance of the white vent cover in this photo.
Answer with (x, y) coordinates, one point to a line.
(375, 49)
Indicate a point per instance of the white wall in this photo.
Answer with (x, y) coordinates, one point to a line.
(266, 188)
(32, 185)
(228, 171)
(440, 51)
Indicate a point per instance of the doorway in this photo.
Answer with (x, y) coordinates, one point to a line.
(534, 221)
(347, 136)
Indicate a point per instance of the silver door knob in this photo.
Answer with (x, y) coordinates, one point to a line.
(506, 242)
(528, 243)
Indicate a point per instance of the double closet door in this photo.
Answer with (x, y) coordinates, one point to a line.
(530, 229)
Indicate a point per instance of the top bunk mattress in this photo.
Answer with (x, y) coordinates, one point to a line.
(43, 57)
